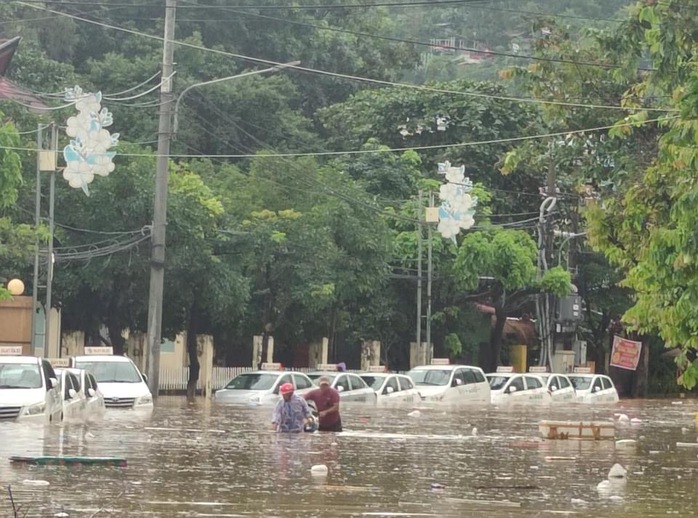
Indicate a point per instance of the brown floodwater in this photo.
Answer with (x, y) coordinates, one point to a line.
(205, 459)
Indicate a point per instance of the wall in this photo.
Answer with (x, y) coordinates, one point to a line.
(16, 322)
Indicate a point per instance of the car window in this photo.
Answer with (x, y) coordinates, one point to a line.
(20, 375)
(342, 381)
(479, 376)
(458, 378)
(518, 383)
(75, 380)
(580, 382)
(469, 377)
(375, 382)
(302, 382)
(392, 382)
(357, 383)
(90, 383)
(564, 383)
(112, 371)
(597, 385)
(67, 385)
(430, 376)
(533, 383)
(48, 371)
(252, 381)
(406, 383)
(606, 383)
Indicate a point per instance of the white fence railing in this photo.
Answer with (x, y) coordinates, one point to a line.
(176, 378)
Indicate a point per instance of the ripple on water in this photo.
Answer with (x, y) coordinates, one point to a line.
(209, 460)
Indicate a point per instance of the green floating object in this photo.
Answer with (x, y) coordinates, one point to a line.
(62, 461)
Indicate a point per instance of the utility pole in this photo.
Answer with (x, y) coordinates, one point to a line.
(157, 261)
(430, 270)
(49, 258)
(419, 271)
(37, 222)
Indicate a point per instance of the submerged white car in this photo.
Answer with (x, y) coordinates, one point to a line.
(261, 387)
(118, 378)
(447, 383)
(514, 388)
(81, 397)
(392, 388)
(559, 387)
(350, 386)
(28, 388)
(594, 388)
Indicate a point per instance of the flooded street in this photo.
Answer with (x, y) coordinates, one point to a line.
(211, 460)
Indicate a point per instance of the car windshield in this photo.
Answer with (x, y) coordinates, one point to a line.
(580, 383)
(375, 382)
(20, 376)
(430, 376)
(497, 382)
(111, 372)
(252, 381)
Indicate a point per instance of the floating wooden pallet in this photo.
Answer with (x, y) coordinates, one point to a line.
(62, 461)
(576, 430)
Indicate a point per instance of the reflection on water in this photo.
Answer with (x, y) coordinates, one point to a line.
(210, 460)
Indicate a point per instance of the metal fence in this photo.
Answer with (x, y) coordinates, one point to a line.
(175, 379)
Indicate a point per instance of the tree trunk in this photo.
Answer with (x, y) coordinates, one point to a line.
(496, 339)
(117, 341)
(192, 352)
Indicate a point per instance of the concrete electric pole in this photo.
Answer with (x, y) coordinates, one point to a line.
(157, 261)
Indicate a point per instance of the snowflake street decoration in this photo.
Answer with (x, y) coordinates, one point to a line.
(458, 206)
(87, 155)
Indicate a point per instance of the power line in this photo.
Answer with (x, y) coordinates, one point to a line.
(401, 149)
(348, 76)
(426, 44)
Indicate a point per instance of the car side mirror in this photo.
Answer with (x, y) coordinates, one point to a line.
(52, 383)
(553, 388)
(511, 389)
(456, 382)
(597, 388)
(389, 390)
(72, 393)
(91, 392)
(340, 388)
(145, 377)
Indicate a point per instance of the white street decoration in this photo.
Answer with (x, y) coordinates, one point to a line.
(87, 155)
(458, 206)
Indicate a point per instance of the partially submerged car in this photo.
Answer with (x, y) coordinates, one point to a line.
(509, 388)
(350, 386)
(559, 387)
(391, 388)
(82, 400)
(121, 383)
(29, 388)
(261, 387)
(594, 388)
(443, 382)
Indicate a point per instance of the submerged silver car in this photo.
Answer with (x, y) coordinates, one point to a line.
(261, 387)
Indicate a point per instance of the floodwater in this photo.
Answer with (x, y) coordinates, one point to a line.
(205, 459)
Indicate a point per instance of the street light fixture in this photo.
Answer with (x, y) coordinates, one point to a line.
(15, 287)
(222, 79)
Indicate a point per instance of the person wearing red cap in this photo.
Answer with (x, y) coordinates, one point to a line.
(327, 402)
(291, 413)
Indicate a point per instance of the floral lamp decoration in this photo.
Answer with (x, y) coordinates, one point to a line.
(86, 155)
(457, 209)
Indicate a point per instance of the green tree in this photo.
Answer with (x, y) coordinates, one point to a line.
(509, 258)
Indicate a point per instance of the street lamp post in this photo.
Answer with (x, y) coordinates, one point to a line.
(160, 210)
(222, 79)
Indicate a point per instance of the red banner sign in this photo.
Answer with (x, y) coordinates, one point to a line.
(626, 353)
